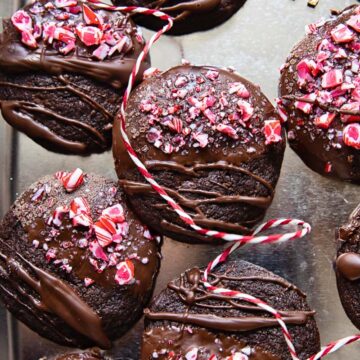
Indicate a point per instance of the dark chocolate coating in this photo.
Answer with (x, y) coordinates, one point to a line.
(190, 15)
(227, 185)
(318, 148)
(347, 266)
(55, 302)
(93, 354)
(191, 317)
(66, 103)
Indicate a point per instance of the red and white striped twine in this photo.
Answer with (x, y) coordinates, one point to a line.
(239, 240)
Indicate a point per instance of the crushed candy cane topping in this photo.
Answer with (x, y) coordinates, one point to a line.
(329, 84)
(102, 232)
(72, 25)
(191, 109)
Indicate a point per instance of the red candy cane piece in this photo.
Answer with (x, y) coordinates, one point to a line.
(125, 272)
(332, 78)
(22, 21)
(49, 32)
(342, 34)
(98, 251)
(351, 135)
(79, 205)
(354, 22)
(115, 213)
(101, 52)
(227, 130)
(89, 35)
(82, 220)
(108, 224)
(325, 120)
(103, 236)
(355, 106)
(90, 16)
(68, 48)
(272, 131)
(245, 109)
(64, 3)
(71, 181)
(64, 35)
(28, 39)
(118, 46)
(57, 216)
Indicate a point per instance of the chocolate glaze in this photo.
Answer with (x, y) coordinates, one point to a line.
(79, 258)
(59, 298)
(311, 143)
(24, 121)
(220, 345)
(200, 325)
(225, 324)
(16, 57)
(188, 296)
(22, 116)
(36, 292)
(223, 156)
(348, 265)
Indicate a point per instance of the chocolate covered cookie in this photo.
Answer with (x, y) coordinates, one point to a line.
(185, 321)
(189, 15)
(76, 266)
(211, 139)
(320, 96)
(347, 266)
(93, 354)
(64, 66)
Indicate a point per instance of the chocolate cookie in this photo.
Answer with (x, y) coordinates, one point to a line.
(63, 69)
(347, 266)
(76, 266)
(92, 354)
(212, 140)
(190, 15)
(320, 96)
(186, 321)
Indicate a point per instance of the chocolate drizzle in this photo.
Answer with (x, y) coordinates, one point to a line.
(210, 197)
(188, 295)
(22, 116)
(348, 265)
(221, 345)
(58, 298)
(16, 57)
(211, 332)
(232, 324)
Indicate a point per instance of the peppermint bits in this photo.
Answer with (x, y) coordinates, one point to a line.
(71, 181)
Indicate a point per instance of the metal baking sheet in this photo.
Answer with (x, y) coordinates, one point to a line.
(256, 42)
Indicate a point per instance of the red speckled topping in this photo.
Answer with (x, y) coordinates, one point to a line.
(90, 234)
(69, 25)
(202, 108)
(329, 81)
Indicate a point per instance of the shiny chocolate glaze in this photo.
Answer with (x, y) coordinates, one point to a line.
(322, 151)
(205, 330)
(223, 156)
(51, 294)
(107, 79)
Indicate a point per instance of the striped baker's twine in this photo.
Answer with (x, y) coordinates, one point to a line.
(240, 240)
(335, 346)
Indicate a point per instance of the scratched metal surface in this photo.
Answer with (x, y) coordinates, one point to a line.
(255, 41)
